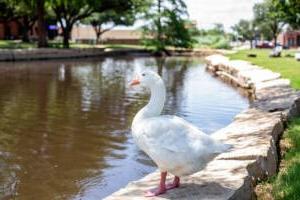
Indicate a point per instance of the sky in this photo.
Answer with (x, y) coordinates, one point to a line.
(228, 12)
(209, 12)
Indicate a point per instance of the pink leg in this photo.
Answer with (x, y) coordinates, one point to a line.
(175, 184)
(161, 189)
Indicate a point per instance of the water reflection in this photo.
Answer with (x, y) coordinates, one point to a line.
(64, 126)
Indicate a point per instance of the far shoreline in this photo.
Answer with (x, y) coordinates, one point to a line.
(12, 55)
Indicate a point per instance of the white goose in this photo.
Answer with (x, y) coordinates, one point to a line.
(175, 145)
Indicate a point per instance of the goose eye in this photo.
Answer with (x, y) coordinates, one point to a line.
(143, 74)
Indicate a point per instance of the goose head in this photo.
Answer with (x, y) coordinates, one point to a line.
(146, 79)
(152, 81)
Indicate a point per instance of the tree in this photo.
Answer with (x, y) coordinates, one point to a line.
(179, 32)
(6, 15)
(168, 25)
(26, 13)
(110, 19)
(42, 33)
(218, 29)
(69, 12)
(245, 29)
(290, 10)
(268, 19)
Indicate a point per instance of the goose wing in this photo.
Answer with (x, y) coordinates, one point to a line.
(176, 135)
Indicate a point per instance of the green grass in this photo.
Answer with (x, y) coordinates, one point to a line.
(286, 185)
(287, 66)
(212, 41)
(17, 44)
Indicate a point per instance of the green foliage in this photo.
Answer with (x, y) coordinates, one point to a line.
(97, 20)
(213, 41)
(179, 33)
(217, 30)
(290, 10)
(115, 17)
(69, 12)
(168, 25)
(6, 10)
(244, 29)
(268, 19)
(25, 8)
(24, 11)
(213, 38)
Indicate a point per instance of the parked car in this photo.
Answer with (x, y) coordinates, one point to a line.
(264, 44)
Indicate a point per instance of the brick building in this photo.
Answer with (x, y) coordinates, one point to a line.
(290, 39)
(10, 30)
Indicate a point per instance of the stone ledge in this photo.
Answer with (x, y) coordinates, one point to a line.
(52, 53)
(55, 53)
(254, 134)
(208, 184)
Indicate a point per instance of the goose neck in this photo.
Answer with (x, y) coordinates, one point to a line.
(155, 104)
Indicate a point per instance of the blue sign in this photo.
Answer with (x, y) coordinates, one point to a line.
(52, 27)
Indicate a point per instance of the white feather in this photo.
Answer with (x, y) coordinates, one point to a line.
(174, 144)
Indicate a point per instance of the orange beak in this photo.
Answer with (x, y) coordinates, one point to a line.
(135, 81)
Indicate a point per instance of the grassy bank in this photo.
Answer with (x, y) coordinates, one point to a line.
(286, 184)
(286, 65)
(17, 44)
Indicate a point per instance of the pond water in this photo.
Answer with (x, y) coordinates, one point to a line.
(65, 125)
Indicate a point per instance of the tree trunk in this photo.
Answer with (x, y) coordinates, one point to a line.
(42, 33)
(25, 34)
(97, 29)
(98, 37)
(67, 33)
(275, 30)
(66, 36)
(25, 29)
(275, 40)
(159, 20)
(161, 46)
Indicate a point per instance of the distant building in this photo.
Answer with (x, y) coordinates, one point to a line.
(12, 30)
(289, 39)
(86, 33)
